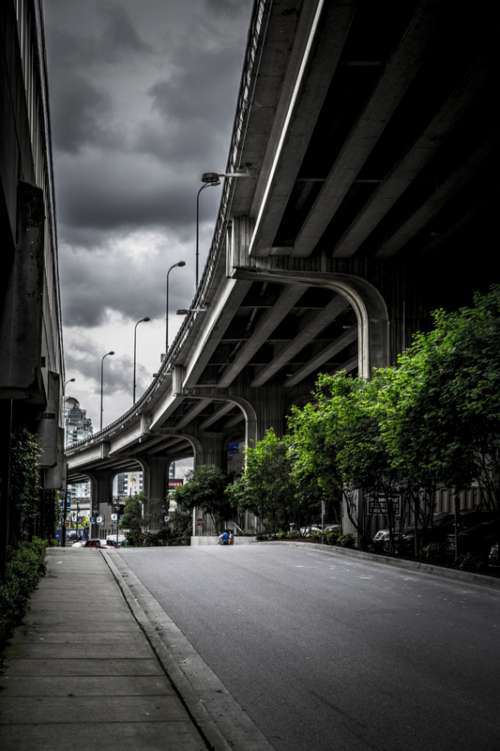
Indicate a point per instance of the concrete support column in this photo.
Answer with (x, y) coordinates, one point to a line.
(155, 469)
(101, 493)
(210, 451)
(270, 408)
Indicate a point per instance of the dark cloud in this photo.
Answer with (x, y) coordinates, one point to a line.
(79, 113)
(88, 34)
(86, 363)
(124, 192)
(111, 279)
(119, 36)
(143, 96)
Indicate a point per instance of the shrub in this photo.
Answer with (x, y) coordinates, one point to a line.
(346, 541)
(24, 568)
(332, 536)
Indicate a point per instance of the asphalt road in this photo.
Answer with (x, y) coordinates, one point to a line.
(325, 652)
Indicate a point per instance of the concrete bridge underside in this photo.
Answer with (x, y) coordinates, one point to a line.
(366, 132)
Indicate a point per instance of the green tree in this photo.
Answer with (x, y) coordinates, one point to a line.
(205, 489)
(311, 451)
(266, 487)
(25, 479)
(445, 416)
(132, 520)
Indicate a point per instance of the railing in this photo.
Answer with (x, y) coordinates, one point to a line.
(254, 46)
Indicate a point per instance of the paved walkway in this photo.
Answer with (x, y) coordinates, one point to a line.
(80, 671)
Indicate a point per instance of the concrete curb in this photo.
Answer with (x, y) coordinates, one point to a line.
(466, 577)
(224, 725)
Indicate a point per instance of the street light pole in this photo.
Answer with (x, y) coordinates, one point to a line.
(180, 264)
(102, 380)
(142, 320)
(207, 184)
(209, 179)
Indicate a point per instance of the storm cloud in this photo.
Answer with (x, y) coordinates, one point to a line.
(143, 96)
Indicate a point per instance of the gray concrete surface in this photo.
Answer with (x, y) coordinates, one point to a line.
(325, 652)
(224, 724)
(80, 671)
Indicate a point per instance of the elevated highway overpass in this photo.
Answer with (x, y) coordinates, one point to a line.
(368, 136)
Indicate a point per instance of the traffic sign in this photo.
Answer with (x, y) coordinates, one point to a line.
(99, 520)
(114, 517)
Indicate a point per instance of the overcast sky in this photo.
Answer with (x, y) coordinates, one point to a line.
(143, 96)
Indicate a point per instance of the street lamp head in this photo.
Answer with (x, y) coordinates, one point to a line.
(181, 263)
(211, 178)
(110, 353)
(71, 380)
(185, 311)
(145, 319)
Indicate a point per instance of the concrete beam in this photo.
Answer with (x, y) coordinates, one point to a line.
(126, 438)
(192, 413)
(405, 171)
(88, 455)
(398, 75)
(234, 421)
(323, 27)
(164, 409)
(217, 415)
(435, 202)
(219, 318)
(319, 322)
(268, 323)
(322, 357)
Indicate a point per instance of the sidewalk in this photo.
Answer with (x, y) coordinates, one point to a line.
(80, 671)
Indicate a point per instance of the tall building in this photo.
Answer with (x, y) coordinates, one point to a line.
(129, 484)
(77, 426)
(31, 354)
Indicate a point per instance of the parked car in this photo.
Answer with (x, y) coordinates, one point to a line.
(494, 555)
(92, 543)
(315, 529)
(403, 542)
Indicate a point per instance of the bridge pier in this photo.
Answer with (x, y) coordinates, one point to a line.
(155, 473)
(210, 450)
(101, 493)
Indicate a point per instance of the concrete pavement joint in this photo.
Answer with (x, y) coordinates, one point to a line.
(466, 577)
(223, 724)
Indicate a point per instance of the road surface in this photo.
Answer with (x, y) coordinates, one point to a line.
(329, 653)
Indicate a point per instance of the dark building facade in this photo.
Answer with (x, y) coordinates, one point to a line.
(31, 354)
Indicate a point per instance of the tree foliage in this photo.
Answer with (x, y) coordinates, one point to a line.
(25, 478)
(132, 520)
(267, 487)
(442, 424)
(205, 489)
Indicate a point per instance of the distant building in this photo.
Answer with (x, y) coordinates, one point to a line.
(128, 484)
(31, 354)
(78, 427)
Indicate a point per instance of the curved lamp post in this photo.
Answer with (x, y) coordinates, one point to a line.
(212, 181)
(175, 265)
(209, 179)
(102, 379)
(142, 320)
